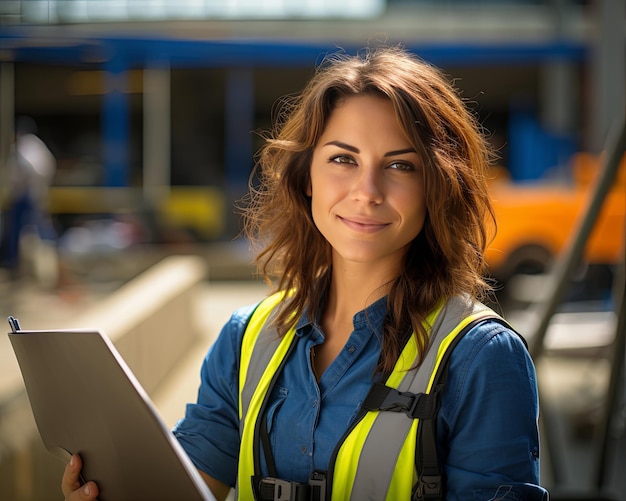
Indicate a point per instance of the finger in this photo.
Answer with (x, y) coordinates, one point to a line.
(71, 485)
(71, 476)
(88, 492)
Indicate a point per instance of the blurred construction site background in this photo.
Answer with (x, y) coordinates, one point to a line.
(141, 119)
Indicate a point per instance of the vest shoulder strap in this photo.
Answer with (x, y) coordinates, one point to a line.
(424, 406)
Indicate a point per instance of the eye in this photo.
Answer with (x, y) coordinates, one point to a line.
(401, 165)
(341, 159)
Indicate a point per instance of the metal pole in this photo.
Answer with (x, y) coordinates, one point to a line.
(568, 262)
(156, 134)
(7, 109)
(564, 269)
(615, 381)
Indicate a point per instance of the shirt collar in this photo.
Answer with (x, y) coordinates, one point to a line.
(374, 315)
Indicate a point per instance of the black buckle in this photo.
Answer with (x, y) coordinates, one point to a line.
(429, 487)
(397, 401)
(414, 405)
(317, 483)
(276, 489)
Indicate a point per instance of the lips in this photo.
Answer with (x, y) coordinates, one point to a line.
(363, 224)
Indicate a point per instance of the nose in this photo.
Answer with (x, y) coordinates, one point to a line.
(368, 186)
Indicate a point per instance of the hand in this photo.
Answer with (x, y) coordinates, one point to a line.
(71, 486)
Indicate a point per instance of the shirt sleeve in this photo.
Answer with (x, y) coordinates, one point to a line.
(209, 432)
(487, 427)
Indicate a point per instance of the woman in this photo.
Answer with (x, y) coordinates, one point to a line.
(372, 214)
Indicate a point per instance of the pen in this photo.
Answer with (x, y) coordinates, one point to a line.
(14, 323)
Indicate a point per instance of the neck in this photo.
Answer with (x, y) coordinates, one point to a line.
(353, 288)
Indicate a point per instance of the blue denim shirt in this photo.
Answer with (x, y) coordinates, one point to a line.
(487, 430)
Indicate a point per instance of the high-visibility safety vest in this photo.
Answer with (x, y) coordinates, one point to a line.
(376, 459)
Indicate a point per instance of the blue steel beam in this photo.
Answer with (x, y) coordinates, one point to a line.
(21, 46)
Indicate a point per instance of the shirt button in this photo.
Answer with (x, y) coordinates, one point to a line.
(314, 403)
(303, 449)
(351, 349)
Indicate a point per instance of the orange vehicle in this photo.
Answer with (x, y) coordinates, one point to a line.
(537, 221)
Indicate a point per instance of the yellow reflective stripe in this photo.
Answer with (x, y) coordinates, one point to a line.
(345, 470)
(246, 458)
(254, 328)
(346, 463)
(409, 353)
(445, 343)
(404, 474)
(407, 358)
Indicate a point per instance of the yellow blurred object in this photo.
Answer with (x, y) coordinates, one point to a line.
(199, 209)
(92, 199)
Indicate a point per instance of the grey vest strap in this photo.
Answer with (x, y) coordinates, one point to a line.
(266, 344)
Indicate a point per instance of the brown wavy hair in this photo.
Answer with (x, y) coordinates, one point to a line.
(444, 260)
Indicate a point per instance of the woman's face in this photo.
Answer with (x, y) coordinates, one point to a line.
(366, 184)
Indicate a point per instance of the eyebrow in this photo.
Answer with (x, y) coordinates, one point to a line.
(356, 150)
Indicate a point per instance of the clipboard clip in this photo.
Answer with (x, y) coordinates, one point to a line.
(15, 324)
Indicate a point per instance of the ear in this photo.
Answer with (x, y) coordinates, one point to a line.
(309, 189)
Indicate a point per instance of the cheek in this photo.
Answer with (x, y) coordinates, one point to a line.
(416, 209)
(318, 202)
(322, 189)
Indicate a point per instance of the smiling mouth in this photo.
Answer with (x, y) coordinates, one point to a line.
(363, 226)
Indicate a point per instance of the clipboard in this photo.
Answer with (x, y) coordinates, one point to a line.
(86, 400)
